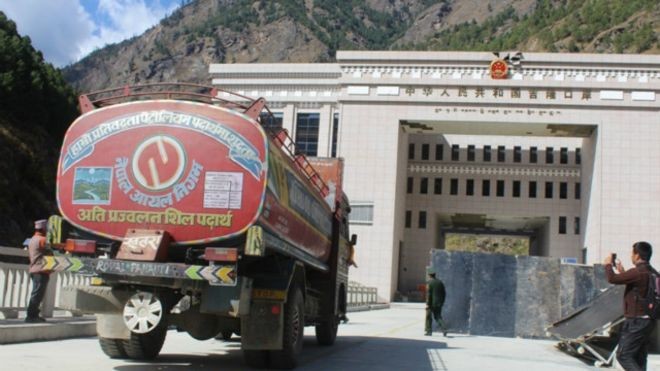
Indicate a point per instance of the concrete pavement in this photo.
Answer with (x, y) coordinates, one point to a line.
(389, 339)
(56, 328)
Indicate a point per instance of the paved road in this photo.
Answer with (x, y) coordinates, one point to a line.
(378, 340)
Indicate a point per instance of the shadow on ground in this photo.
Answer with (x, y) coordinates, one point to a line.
(348, 353)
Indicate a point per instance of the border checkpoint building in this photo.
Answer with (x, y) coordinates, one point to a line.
(561, 149)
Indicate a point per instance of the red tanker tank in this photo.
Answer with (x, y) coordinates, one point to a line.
(201, 172)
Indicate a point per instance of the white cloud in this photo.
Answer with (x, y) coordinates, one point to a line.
(57, 28)
(65, 32)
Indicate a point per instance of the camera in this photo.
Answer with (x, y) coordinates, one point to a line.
(613, 258)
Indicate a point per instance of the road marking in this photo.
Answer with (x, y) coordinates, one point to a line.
(436, 360)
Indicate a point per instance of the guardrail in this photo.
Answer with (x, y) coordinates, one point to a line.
(359, 295)
(16, 285)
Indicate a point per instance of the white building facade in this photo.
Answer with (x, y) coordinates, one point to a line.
(565, 150)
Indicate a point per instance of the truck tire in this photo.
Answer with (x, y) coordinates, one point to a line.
(256, 358)
(226, 335)
(294, 326)
(113, 348)
(326, 332)
(146, 346)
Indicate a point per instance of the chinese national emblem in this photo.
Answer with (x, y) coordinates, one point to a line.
(499, 69)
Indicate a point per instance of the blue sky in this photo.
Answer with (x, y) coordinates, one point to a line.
(67, 30)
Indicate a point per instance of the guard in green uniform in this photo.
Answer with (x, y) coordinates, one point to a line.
(435, 298)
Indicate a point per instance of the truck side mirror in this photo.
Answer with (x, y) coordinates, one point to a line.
(353, 239)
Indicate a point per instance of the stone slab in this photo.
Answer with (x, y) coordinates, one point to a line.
(493, 305)
(578, 287)
(454, 269)
(537, 290)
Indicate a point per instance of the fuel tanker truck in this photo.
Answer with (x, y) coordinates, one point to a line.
(188, 212)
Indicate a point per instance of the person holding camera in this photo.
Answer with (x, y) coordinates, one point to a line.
(637, 326)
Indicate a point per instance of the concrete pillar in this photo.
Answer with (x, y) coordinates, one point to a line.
(48, 304)
(325, 131)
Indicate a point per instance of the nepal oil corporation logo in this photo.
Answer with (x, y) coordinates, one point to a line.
(158, 162)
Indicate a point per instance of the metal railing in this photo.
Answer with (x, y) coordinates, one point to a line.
(16, 286)
(359, 295)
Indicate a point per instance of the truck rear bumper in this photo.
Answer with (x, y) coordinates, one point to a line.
(217, 275)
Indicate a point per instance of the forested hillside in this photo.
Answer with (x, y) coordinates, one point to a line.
(201, 32)
(36, 107)
(595, 26)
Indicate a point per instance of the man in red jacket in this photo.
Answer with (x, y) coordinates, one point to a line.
(637, 326)
(37, 250)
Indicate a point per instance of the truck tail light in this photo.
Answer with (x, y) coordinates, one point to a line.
(80, 246)
(221, 254)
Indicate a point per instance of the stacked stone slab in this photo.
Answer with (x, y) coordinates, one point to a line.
(511, 296)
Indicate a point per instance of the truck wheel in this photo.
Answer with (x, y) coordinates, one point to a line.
(146, 346)
(294, 325)
(226, 335)
(113, 348)
(256, 358)
(326, 332)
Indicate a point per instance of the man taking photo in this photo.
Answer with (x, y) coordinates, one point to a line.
(637, 326)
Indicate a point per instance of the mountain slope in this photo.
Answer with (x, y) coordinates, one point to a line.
(592, 26)
(202, 32)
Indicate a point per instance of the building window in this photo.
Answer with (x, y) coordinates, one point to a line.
(411, 151)
(421, 223)
(485, 188)
(455, 152)
(471, 152)
(409, 186)
(563, 155)
(516, 188)
(424, 186)
(533, 155)
(563, 190)
(487, 152)
(439, 149)
(517, 154)
(500, 188)
(408, 218)
(437, 186)
(469, 187)
(578, 156)
(577, 191)
(362, 213)
(425, 152)
(548, 189)
(271, 123)
(501, 154)
(562, 225)
(549, 155)
(532, 189)
(335, 131)
(453, 186)
(576, 225)
(307, 133)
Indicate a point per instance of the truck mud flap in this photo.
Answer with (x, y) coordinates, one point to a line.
(263, 328)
